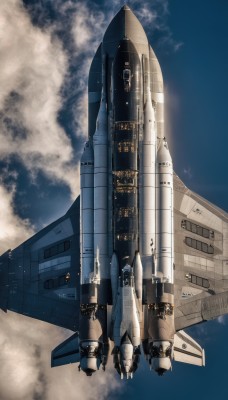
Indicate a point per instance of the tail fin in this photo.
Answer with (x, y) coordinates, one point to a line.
(67, 352)
(188, 350)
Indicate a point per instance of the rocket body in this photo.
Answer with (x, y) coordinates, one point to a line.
(127, 204)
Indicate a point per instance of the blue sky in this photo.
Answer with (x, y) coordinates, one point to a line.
(44, 59)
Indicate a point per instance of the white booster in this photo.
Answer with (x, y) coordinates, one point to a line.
(126, 315)
(148, 184)
(164, 214)
(87, 212)
(138, 275)
(100, 146)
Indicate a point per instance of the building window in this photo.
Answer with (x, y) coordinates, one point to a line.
(201, 246)
(56, 282)
(197, 229)
(57, 249)
(199, 281)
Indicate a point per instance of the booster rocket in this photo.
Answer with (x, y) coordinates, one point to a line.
(126, 205)
(126, 214)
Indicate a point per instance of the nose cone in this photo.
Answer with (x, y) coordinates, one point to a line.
(87, 156)
(163, 154)
(125, 23)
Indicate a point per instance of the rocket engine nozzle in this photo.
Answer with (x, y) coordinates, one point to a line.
(160, 356)
(90, 356)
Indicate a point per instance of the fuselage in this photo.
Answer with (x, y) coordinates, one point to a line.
(127, 205)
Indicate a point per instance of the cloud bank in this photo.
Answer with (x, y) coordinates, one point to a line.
(26, 347)
(33, 67)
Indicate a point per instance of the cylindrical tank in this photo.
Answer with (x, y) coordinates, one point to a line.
(87, 212)
(100, 145)
(147, 187)
(138, 275)
(164, 214)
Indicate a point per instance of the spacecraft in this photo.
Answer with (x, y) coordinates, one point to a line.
(138, 257)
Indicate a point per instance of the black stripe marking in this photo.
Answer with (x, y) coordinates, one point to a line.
(187, 352)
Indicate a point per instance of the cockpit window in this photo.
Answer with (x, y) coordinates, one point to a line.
(127, 79)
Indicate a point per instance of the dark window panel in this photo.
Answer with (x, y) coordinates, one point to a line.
(210, 249)
(57, 249)
(193, 279)
(206, 233)
(206, 283)
(199, 281)
(197, 229)
(194, 228)
(201, 246)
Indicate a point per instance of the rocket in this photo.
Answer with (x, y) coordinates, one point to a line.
(126, 202)
(126, 214)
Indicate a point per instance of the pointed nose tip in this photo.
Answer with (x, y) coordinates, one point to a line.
(125, 7)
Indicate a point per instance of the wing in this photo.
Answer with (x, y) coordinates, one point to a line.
(67, 352)
(201, 258)
(41, 277)
(188, 350)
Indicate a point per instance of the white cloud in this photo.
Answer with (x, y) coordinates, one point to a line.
(33, 67)
(13, 229)
(26, 374)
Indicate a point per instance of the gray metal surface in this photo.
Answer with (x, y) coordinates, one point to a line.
(37, 286)
(195, 303)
